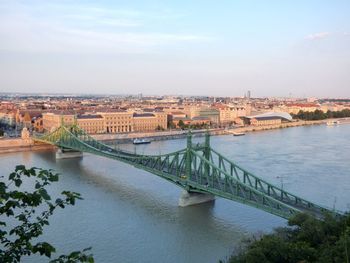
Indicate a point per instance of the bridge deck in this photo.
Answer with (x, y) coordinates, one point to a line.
(196, 168)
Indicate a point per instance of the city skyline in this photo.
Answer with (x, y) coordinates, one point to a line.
(272, 49)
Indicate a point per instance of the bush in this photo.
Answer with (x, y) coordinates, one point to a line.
(306, 239)
(320, 115)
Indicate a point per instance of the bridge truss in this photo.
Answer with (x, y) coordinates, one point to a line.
(198, 169)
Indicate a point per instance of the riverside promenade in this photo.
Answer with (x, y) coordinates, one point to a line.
(27, 144)
(176, 134)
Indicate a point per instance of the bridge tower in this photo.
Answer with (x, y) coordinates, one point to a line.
(66, 153)
(189, 197)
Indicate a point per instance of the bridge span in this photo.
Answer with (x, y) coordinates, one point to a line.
(200, 170)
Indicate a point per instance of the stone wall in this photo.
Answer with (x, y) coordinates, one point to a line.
(19, 145)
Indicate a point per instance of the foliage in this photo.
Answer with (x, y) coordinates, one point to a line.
(1, 133)
(159, 128)
(320, 115)
(181, 124)
(306, 239)
(196, 126)
(171, 125)
(20, 220)
(199, 126)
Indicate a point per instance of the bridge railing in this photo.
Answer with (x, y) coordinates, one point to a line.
(209, 177)
(265, 187)
(197, 167)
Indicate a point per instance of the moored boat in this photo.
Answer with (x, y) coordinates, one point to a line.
(141, 141)
(238, 133)
(331, 123)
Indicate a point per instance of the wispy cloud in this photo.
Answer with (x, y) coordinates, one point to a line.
(100, 20)
(57, 28)
(318, 36)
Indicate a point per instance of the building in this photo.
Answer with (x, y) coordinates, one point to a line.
(184, 120)
(149, 121)
(8, 117)
(38, 124)
(117, 121)
(26, 117)
(53, 120)
(212, 114)
(91, 123)
(228, 113)
(200, 121)
(262, 121)
(269, 118)
(294, 108)
(176, 114)
(111, 121)
(192, 111)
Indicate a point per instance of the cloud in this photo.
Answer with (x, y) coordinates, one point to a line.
(318, 36)
(82, 29)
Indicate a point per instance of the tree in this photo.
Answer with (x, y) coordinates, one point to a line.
(307, 239)
(171, 125)
(181, 124)
(1, 133)
(22, 223)
(159, 128)
(320, 115)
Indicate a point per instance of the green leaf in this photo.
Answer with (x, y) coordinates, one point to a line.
(37, 185)
(53, 178)
(12, 176)
(20, 168)
(18, 182)
(44, 194)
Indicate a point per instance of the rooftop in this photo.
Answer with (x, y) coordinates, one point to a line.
(140, 115)
(90, 116)
(272, 115)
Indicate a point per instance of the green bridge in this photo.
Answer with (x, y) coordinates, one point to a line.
(199, 169)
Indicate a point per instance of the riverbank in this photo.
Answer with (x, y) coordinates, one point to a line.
(170, 135)
(18, 144)
(277, 126)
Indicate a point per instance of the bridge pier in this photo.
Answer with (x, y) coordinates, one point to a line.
(189, 198)
(63, 153)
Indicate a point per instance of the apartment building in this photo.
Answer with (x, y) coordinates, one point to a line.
(91, 123)
(52, 120)
(212, 114)
(150, 121)
(228, 113)
(117, 121)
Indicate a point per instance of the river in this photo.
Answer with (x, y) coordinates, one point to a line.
(129, 215)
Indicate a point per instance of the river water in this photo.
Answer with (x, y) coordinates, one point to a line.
(129, 215)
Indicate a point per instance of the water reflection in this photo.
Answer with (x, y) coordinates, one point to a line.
(129, 215)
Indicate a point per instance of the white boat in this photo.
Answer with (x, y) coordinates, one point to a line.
(141, 141)
(332, 123)
(238, 133)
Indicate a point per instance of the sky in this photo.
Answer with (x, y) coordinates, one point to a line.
(290, 48)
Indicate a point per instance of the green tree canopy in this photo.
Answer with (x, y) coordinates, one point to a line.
(181, 124)
(320, 115)
(305, 240)
(22, 223)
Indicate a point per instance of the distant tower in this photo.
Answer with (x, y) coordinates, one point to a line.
(248, 95)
